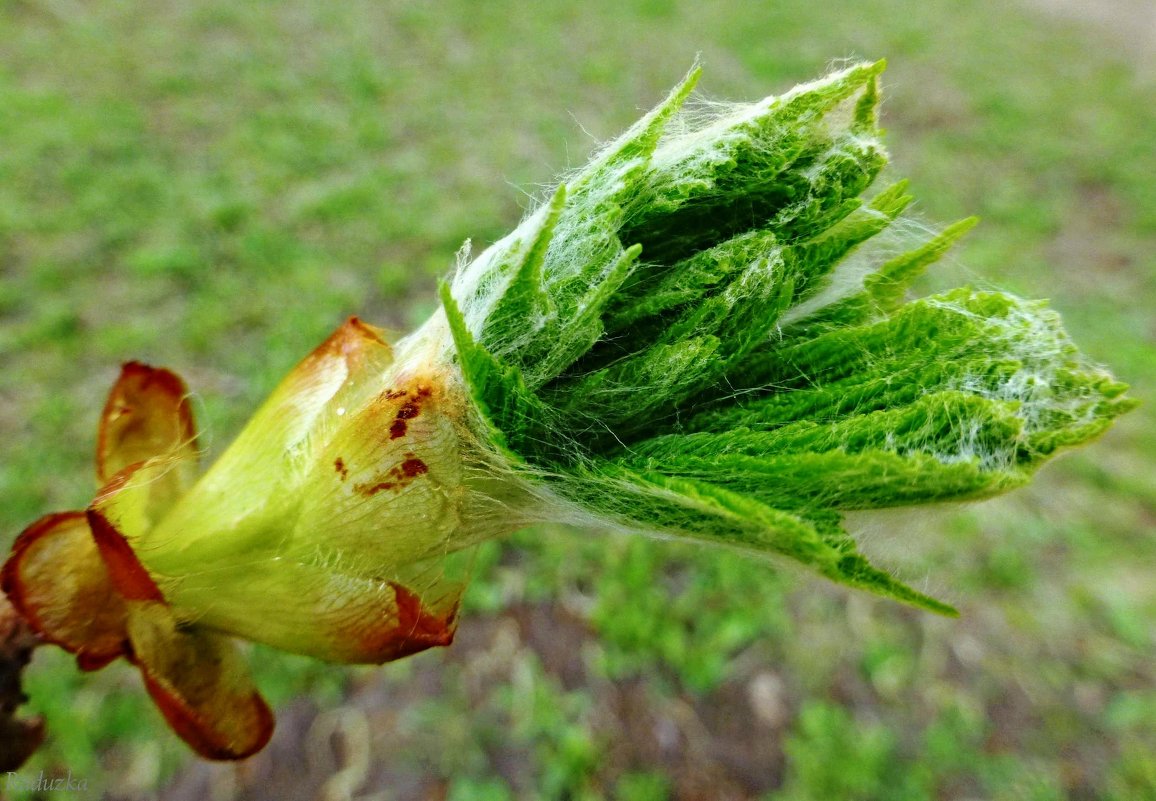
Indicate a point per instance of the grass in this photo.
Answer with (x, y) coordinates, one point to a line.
(214, 186)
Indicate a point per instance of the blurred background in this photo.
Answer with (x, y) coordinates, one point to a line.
(213, 186)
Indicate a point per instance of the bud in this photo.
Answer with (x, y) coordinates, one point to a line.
(703, 334)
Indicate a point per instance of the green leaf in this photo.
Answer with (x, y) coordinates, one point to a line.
(696, 509)
(883, 290)
(512, 416)
(670, 343)
(523, 303)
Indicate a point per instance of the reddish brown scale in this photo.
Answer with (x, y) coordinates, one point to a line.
(128, 575)
(409, 411)
(394, 394)
(13, 586)
(398, 429)
(90, 663)
(339, 466)
(190, 725)
(147, 404)
(10, 582)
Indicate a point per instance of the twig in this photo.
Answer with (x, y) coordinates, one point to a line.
(19, 737)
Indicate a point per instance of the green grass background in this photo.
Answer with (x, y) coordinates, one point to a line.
(213, 186)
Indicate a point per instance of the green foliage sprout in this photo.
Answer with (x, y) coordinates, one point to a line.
(705, 334)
